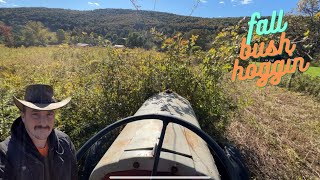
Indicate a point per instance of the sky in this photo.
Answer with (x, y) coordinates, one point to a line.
(198, 8)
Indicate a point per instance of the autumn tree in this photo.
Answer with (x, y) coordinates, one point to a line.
(35, 34)
(6, 34)
(310, 40)
(309, 7)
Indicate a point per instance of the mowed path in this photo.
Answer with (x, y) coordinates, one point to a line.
(278, 131)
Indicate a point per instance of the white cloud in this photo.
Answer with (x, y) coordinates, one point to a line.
(91, 3)
(246, 1)
(203, 1)
(221, 2)
(2, 1)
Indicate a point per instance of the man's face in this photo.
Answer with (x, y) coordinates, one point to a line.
(39, 124)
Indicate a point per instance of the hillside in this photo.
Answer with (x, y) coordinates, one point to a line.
(104, 21)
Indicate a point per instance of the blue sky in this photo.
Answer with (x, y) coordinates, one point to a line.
(205, 8)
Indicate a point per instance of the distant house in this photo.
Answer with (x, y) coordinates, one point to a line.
(82, 45)
(119, 46)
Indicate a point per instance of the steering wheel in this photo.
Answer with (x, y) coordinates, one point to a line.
(166, 119)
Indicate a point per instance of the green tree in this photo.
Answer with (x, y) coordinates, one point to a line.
(61, 36)
(35, 34)
(135, 39)
(203, 39)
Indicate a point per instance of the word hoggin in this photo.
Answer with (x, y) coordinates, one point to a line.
(268, 70)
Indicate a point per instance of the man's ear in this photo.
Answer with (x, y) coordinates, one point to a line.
(22, 116)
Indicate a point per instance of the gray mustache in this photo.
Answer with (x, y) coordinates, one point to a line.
(41, 127)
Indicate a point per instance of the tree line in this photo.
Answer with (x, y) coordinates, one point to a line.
(103, 26)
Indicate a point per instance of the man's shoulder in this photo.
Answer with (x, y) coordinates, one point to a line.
(4, 145)
(61, 135)
(64, 139)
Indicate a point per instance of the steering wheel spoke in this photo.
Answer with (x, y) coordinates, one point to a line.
(158, 149)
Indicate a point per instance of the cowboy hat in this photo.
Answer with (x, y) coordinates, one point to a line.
(40, 97)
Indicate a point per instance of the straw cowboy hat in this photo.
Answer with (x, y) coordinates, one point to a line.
(40, 97)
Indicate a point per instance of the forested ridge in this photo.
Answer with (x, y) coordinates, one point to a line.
(106, 21)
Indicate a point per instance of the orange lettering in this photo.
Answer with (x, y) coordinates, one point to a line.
(277, 72)
(272, 50)
(244, 54)
(265, 71)
(284, 40)
(260, 53)
(255, 50)
(264, 76)
(253, 71)
(301, 68)
(235, 70)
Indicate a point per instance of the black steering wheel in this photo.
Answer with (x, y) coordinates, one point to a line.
(166, 119)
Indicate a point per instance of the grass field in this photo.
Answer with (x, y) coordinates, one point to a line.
(277, 130)
(313, 71)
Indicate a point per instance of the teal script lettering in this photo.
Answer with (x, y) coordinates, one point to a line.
(262, 25)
